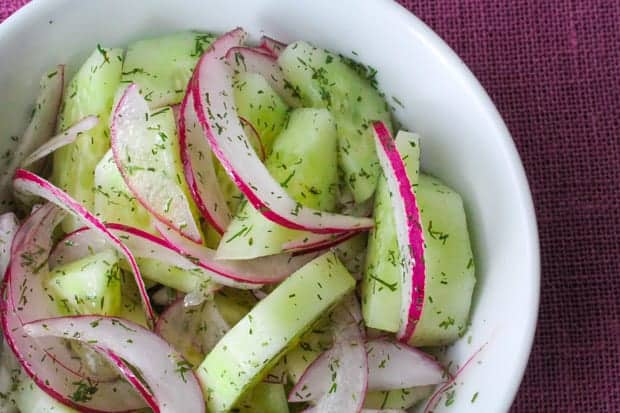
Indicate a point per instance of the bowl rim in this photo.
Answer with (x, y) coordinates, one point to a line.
(421, 30)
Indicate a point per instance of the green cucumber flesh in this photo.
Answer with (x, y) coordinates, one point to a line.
(162, 66)
(309, 348)
(304, 161)
(258, 103)
(328, 81)
(234, 304)
(381, 293)
(450, 272)
(91, 285)
(90, 92)
(30, 398)
(264, 398)
(114, 202)
(256, 343)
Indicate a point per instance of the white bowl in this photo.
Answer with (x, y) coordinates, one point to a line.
(465, 142)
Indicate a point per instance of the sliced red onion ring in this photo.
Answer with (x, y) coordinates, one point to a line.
(30, 183)
(9, 224)
(62, 139)
(337, 380)
(434, 399)
(317, 242)
(86, 241)
(256, 60)
(393, 365)
(159, 193)
(41, 127)
(254, 136)
(258, 271)
(49, 362)
(173, 384)
(198, 167)
(215, 106)
(275, 47)
(408, 230)
(192, 331)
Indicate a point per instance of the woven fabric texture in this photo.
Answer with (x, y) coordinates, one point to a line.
(553, 69)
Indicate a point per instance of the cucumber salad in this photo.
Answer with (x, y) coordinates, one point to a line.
(201, 224)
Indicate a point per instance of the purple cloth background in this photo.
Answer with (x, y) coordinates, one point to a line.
(553, 69)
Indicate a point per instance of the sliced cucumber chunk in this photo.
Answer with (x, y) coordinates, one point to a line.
(114, 202)
(381, 297)
(234, 304)
(310, 347)
(304, 161)
(256, 343)
(91, 92)
(450, 273)
(174, 277)
(162, 66)
(258, 103)
(264, 398)
(91, 285)
(325, 80)
(397, 399)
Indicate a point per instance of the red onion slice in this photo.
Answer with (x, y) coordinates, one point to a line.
(62, 139)
(49, 362)
(192, 331)
(316, 242)
(159, 193)
(41, 127)
(215, 106)
(173, 384)
(273, 46)
(257, 271)
(408, 230)
(30, 183)
(199, 169)
(9, 224)
(85, 241)
(393, 365)
(337, 380)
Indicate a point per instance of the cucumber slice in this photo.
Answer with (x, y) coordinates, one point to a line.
(131, 307)
(397, 399)
(114, 202)
(304, 161)
(91, 285)
(264, 398)
(352, 253)
(450, 273)
(30, 398)
(170, 276)
(162, 66)
(256, 343)
(234, 304)
(310, 347)
(381, 295)
(91, 92)
(258, 103)
(325, 80)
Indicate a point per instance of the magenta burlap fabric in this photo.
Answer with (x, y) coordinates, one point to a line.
(553, 69)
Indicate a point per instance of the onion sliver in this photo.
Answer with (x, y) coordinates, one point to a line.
(172, 382)
(9, 224)
(217, 113)
(62, 139)
(409, 232)
(30, 183)
(49, 362)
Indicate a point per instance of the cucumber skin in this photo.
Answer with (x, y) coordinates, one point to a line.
(162, 66)
(304, 159)
(258, 103)
(327, 81)
(91, 285)
(450, 269)
(256, 343)
(381, 300)
(90, 92)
